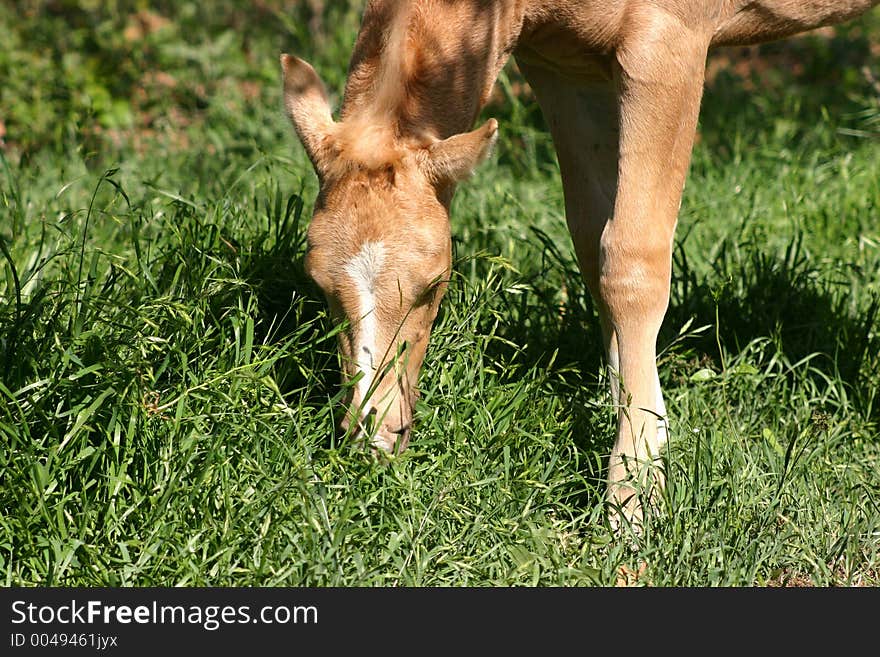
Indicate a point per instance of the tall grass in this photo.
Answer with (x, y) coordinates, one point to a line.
(169, 378)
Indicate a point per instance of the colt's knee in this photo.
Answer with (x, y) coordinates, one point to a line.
(634, 286)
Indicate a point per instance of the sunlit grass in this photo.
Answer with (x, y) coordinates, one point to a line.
(169, 378)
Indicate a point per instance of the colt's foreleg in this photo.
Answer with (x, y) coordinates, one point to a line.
(659, 81)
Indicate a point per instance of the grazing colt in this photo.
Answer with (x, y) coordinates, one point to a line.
(619, 83)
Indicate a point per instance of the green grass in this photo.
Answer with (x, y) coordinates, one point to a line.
(169, 377)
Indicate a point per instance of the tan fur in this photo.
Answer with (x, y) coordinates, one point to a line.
(619, 82)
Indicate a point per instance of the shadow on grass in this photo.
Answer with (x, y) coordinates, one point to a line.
(290, 305)
(782, 297)
(552, 324)
(550, 327)
(760, 295)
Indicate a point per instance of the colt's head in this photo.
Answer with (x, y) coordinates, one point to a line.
(379, 245)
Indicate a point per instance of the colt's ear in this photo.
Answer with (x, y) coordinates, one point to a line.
(453, 159)
(305, 100)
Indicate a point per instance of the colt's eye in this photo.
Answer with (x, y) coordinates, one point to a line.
(427, 293)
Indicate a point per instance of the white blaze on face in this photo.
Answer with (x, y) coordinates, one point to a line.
(364, 270)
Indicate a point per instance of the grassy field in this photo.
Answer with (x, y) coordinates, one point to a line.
(168, 375)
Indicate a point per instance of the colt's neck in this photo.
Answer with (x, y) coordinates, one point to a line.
(428, 67)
